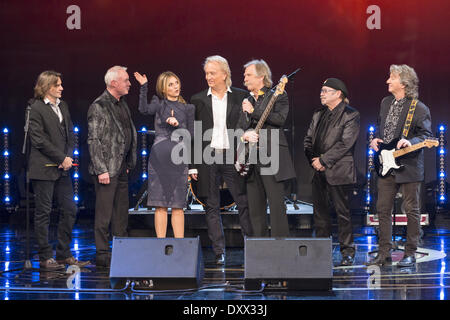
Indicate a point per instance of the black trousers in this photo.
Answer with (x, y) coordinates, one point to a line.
(387, 189)
(260, 189)
(111, 210)
(213, 218)
(44, 191)
(323, 194)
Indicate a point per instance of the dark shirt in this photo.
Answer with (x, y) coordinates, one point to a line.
(392, 119)
(328, 116)
(118, 107)
(259, 103)
(62, 123)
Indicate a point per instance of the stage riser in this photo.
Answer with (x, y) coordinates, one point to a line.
(229, 221)
(233, 237)
(195, 225)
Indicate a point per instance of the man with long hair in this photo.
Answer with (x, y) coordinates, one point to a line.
(266, 181)
(219, 109)
(52, 143)
(403, 84)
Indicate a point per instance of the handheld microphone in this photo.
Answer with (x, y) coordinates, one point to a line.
(245, 112)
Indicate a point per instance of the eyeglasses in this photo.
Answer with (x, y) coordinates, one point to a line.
(327, 90)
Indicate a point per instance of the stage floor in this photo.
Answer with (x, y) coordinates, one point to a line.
(428, 280)
(300, 209)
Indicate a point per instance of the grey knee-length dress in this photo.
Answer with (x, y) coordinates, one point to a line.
(167, 179)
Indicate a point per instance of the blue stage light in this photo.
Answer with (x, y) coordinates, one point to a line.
(441, 128)
(442, 198)
(143, 129)
(76, 152)
(76, 129)
(5, 130)
(6, 176)
(442, 151)
(75, 198)
(6, 153)
(369, 167)
(144, 175)
(144, 152)
(7, 199)
(75, 175)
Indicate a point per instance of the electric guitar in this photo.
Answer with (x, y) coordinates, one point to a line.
(242, 164)
(385, 158)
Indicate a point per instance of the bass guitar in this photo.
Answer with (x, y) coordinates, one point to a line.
(242, 164)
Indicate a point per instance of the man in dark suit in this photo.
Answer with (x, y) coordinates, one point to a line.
(112, 142)
(52, 142)
(329, 146)
(219, 108)
(403, 84)
(266, 180)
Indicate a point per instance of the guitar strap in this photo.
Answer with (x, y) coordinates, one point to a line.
(412, 109)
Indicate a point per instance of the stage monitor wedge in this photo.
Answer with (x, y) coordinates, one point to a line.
(288, 264)
(157, 263)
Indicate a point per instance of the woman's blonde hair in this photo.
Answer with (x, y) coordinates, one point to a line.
(162, 82)
(45, 81)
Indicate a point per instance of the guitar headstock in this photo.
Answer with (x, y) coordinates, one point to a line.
(430, 142)
(281, 84)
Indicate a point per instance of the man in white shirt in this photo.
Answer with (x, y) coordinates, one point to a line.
(219, 108)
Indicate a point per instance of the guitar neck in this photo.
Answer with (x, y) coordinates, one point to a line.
(409, 149)
(265, 114)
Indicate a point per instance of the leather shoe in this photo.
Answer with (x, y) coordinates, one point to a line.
(407, 261)
(50, 264)
(347, 260)
(220, 259)
(381, 260)
(72, 261)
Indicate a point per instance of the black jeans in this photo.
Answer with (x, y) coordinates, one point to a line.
(111, 209)
(323, 194)
(260, 189)
(387, 189)
(44, 191)
(213, 218)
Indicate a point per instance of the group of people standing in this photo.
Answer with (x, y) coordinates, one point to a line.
(221, 109)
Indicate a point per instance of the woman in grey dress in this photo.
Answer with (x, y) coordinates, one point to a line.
(167, 181)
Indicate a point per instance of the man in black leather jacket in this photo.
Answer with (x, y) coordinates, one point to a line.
(329, 146)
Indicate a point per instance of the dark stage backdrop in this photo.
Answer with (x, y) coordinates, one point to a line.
(327, 38)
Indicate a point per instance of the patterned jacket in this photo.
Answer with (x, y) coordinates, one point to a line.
(106, 139)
